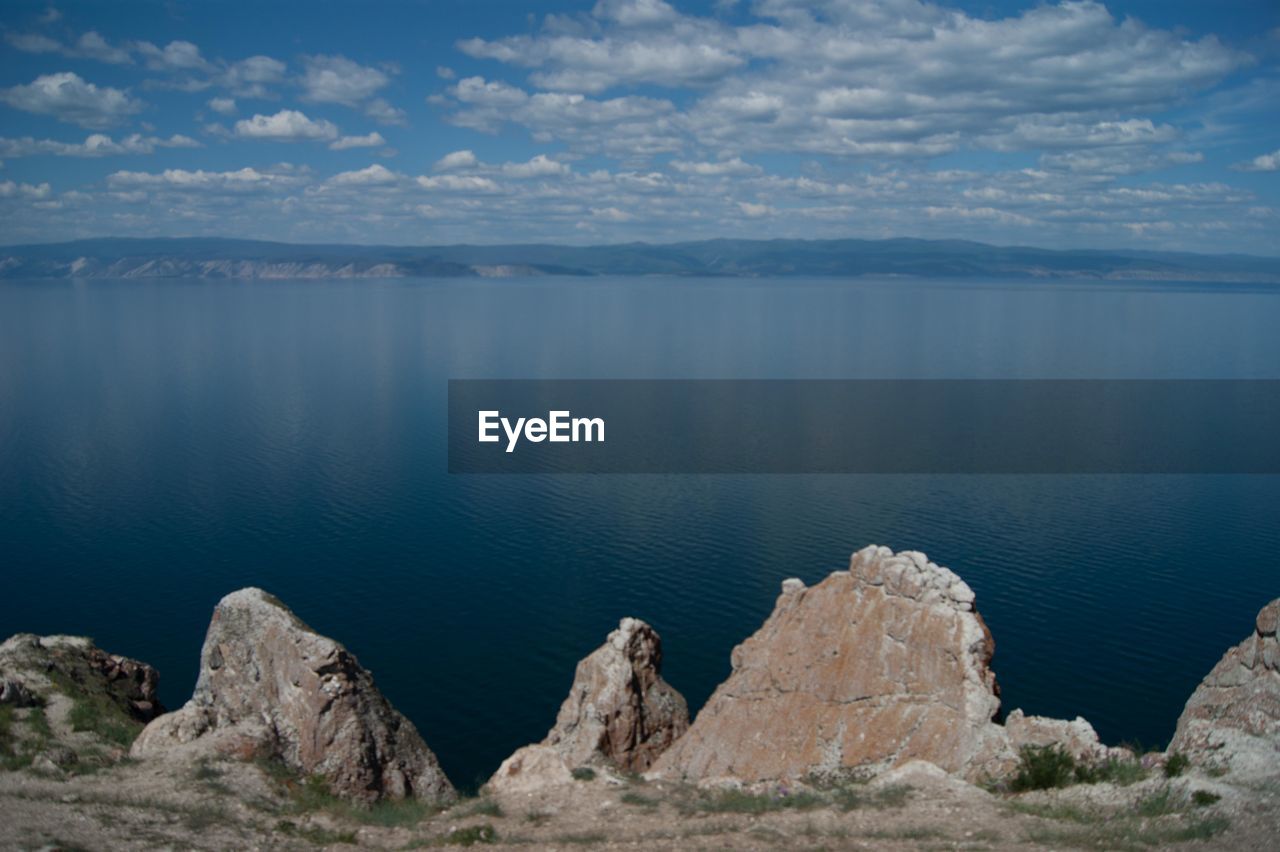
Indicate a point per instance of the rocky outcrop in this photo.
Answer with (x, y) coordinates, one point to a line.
(32, 667)
(1232, 720)
(876, 666)
(619, 707)
(620, 713)
(270, 686)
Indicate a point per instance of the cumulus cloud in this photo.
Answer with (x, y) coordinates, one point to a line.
(67, 97)
(336, 79)
(175, 56)
(29, 191)
(369, 140)
(458, 183)
(251, 77)
(199, 179)
(90, 45)
(1261, 163)
(374, 175)
(95, 145)
(726, 168)
(539, 166)
(883, 78)
(456, 160)
(223, 106)
(287, 125)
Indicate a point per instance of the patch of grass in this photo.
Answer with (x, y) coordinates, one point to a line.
(1160, 803)
(856, 796)
(584, 773)
(391, 813)
(38, 722)
(1043, 768)
(16, 752)
(481, 807)
(923, 832)
(1122, 773)
(592, 838)
(98, 714)
(1131, 835)
(201, 817)
(1203, 798)
(537, 817)
(1176, 764)
(1216, 771)
(315, 834)
(1059, 812)
(639, 800)
(742, 802)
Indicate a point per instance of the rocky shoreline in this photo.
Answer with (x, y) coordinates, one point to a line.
(864, 704)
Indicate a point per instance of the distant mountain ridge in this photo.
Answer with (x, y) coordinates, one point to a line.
(206, 257)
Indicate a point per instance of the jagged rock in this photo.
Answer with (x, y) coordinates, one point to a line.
(532, 768)
(619, 713)
(619, 707)
(270, 686)
(1232, 720)
(876, 666)
(32, 667)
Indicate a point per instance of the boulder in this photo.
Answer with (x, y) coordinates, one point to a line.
(271, 687)
(619, 707)
(882, 664)
(531, 769)
(1232, 720)
(620, 713)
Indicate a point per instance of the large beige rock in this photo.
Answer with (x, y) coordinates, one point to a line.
(619, 707)
(1232, 720)
(876, 666)
(270, 686)
(620, 713)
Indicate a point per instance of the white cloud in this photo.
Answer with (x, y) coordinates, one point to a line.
(381, 111)
(456, 160)
(539, 166)
(728, 168)
(28, 191)
(175, 56)
(458, 183)
(336, 79)
(67, 97)
(374, 175)
(199, 179)
(369, 140)
(90, 45)
(287, 125)
(95, 145)
(251, 77)
(755, 211)
(223, 106)
(1261, 163)
(610, 214)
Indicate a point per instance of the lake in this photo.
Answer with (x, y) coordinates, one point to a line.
(164, 442)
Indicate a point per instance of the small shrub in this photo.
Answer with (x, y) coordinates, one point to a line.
(1177, 764)
(1043, 768)
(1203, 798)
(482, 807)
(741, 802)
(584, 773)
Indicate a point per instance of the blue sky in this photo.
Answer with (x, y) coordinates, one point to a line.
(1071, 124)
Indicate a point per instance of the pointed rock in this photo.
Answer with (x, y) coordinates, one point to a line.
(1232, 720)
(619, 707)
(270, 686)
(620, 713)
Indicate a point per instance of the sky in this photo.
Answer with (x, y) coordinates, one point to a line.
(1078, 124)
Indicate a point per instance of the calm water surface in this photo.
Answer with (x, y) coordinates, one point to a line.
(165, 442)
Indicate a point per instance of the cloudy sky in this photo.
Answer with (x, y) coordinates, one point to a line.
(1140, 124)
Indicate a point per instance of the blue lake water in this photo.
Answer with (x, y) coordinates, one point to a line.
(165, 442)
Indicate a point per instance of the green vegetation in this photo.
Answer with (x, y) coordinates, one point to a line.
(1203, 798)
(96, 712)
(1176, 765)
(584, 773)
(481, 807)
(471, 835)
(18, 751)
(315, 834)
(742, 802)
(639, 800)
(1043, 768)
(1051, 767)
(1157, 820)
(312, 794)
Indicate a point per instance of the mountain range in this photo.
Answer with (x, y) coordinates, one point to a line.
(204, 257)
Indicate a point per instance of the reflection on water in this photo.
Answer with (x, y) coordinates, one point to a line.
(162, 443)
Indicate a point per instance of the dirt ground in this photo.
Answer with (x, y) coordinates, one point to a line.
(233, 805)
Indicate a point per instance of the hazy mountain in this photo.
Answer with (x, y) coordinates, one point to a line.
(224, 258)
